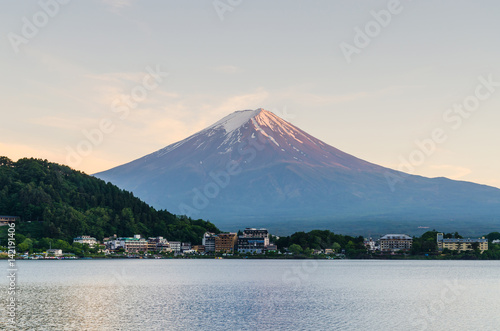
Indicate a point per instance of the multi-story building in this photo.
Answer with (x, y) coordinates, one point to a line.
(251, 245)
(461, 245)
(85, 240)
(396, 243)
(209, 242)
(255, 241)
(130, 245)
(185, 247)
(257, 233)
(5, 220)
(226, 242)
(176, 246)
(158, 244)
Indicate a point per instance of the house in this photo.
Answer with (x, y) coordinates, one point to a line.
(54, 252)
(370, 244)
(199, 248)
(185, 247)
(85, 240)
(396, 243)
(5, 220)
(496, 241)
(461, 245)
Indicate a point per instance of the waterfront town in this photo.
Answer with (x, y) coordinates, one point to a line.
(250, 242)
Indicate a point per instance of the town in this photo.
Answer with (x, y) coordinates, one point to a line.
(259, 243)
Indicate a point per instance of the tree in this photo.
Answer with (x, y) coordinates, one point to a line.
(295, 249)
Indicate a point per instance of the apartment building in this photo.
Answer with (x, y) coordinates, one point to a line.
(396, 243)
(461, 245)
(226, 242)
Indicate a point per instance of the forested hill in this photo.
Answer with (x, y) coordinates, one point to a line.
(64, 203)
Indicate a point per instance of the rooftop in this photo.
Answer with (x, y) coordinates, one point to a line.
(397, 236)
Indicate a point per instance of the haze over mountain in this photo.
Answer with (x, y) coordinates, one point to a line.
(253, 168)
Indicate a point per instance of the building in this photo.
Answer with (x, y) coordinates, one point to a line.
(251, 245)
(396, 243)
(199, 248)
(209, 242)
(496, 241)
(130, 245)
(257, 233)
(54, 252)
(185, 247)
(5, 220)
(158, 244)
(461, 245)
(176, 246)
(85, 240)
(255, 241)
(226, 242)
(370, 244)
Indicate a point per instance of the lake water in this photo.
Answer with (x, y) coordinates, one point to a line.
(256, 295)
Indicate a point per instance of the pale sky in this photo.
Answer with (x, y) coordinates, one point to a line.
(66, 69)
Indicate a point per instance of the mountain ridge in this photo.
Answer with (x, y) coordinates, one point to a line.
(253, 166)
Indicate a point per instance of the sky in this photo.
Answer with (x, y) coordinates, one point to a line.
(410, 85)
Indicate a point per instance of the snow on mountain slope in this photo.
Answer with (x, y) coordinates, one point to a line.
(253, 164)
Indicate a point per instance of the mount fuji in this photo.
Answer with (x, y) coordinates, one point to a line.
(252, 168)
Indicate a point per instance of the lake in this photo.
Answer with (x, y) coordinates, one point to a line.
(256, 295)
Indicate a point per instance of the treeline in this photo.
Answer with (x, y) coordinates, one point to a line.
(425, 246)
(306, 243)
(57, 202)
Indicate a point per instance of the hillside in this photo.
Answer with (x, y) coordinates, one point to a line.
(57, 202)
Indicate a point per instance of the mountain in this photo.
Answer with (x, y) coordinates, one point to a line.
(253, 168)
(57, 202)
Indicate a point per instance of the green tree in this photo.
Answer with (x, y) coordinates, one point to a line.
(295, 249)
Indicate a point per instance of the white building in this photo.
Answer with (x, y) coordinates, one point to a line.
(209, 242)
(54, 252)
(88, 240)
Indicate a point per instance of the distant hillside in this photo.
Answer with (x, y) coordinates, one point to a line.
(63, 203)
